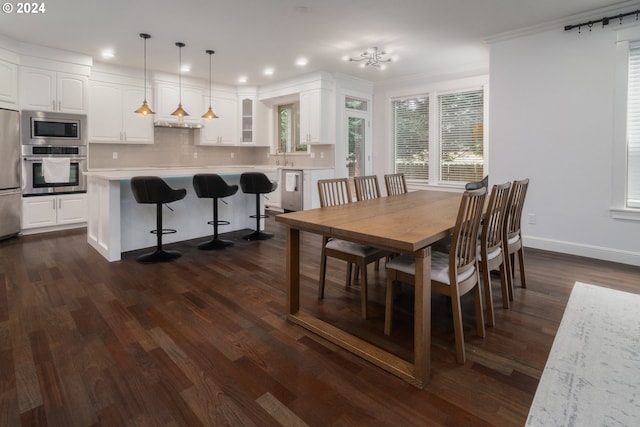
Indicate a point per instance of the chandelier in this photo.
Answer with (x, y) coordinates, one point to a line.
(372, 57)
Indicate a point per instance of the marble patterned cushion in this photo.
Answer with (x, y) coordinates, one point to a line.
(439, 267)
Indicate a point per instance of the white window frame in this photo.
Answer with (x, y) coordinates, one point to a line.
(432, 92)
(619, 208)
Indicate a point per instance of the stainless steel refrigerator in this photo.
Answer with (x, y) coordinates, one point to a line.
(10, 191)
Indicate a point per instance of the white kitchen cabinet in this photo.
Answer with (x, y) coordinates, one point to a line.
(111, 114)
(51, 211)
(314, 116)
(223, 130)
(8, 84)
(167, 97)
(47, 90)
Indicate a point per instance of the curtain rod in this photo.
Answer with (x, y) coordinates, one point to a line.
(605, 20)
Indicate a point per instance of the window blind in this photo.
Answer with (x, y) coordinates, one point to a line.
(633, 129)
(411, 137)
(461, 136)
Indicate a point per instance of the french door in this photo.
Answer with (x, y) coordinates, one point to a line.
(357, 123)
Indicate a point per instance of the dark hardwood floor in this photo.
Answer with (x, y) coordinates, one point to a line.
(203, 340)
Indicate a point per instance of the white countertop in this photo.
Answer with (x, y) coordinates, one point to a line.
(128, 173)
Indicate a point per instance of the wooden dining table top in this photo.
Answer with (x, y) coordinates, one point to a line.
(401, 223)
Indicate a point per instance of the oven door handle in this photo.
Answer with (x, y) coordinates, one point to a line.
(39, 159)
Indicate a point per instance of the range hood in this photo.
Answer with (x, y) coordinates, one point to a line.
(184, 125)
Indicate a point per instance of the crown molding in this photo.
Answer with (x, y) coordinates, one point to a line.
(559, 24)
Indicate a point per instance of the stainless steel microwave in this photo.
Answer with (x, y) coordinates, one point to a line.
(47, 128)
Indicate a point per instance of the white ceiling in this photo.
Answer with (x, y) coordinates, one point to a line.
(427, 36)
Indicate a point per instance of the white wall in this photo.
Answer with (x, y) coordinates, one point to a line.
(552, 119)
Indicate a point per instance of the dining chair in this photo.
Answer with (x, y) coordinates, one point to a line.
(366, 187)
(512, 235)
(453, 274)
(491, 252)
(475, 185)
(395, 183)
(334, 192)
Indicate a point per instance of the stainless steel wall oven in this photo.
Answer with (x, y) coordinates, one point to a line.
(54, 153)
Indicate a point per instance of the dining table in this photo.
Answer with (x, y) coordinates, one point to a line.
(405, 223)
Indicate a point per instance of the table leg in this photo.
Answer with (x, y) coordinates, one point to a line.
(293, 271)
(422, 322)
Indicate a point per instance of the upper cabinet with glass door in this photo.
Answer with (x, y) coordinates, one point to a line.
(250, 113)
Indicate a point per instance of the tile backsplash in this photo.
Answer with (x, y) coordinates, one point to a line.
(175, 147)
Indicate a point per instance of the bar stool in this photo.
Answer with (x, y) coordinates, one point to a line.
(257, 183)
(154, 190)
(212, 186)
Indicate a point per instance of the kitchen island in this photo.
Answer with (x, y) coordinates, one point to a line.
(116, 223)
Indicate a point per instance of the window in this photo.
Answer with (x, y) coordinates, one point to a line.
(456, 142)
(411, 137)
(355, 104)
(461, 136)
(289, 129)
(633, 129)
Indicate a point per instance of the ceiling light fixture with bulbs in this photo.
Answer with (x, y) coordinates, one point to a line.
(144, 109)
(372, 58)
(210, 114)
(180, 112)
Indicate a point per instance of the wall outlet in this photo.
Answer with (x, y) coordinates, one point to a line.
(195, 155)
(532, 218)
(233, 155)
(313, 155)
(322, 155)
(115, 155)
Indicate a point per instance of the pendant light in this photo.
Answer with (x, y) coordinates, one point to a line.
(144, 109)
(180, 113)
(209, 114)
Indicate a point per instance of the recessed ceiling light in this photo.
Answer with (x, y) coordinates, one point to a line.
(268, 71)
(185, 68)
(301, 62)
(107, 54)
(242, 79)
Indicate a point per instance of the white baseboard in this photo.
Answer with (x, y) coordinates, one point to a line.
(29, 231)
(589, 251)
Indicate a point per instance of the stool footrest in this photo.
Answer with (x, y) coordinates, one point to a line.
(259, 216)
(164, 231)
(219, 222)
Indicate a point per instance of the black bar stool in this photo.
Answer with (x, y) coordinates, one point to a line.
(154, 190)
(257, 183)
(212, 186)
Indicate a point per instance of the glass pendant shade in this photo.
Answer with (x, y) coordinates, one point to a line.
(210, 115)
(144, 109)
(180, 112)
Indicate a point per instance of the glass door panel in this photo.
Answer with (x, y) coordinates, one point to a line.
(356, 150)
